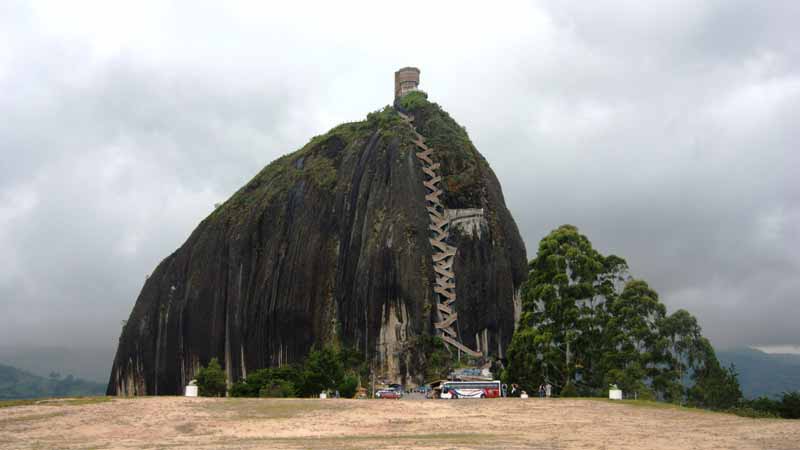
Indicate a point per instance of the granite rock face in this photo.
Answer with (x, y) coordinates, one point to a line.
(330, 244)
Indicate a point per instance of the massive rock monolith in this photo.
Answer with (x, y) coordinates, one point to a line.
(331, 244)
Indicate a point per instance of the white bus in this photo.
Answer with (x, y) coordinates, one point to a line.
(471, 389)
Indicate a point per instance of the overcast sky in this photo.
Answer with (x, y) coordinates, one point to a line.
(666, 131)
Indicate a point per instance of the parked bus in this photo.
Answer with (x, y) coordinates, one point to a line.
(470, 389)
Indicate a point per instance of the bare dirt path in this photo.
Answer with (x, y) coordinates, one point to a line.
(189, 423)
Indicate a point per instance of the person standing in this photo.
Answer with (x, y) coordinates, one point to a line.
(541, 391)
(548, 389)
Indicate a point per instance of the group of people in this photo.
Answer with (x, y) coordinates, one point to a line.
(545, 390)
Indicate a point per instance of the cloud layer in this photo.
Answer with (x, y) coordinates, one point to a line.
(666, 131)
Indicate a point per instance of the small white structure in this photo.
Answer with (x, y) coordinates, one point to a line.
(191, 389)
(523, 395)
(614, 393)
(469, 221)
(323, 395)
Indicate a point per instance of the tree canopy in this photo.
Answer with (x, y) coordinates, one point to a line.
(325, 369)
(211, 380)
(586, 324)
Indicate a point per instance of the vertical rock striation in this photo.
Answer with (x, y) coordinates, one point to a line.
(330, 244)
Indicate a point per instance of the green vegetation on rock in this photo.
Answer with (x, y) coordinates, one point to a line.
(463, 167)
(435, 359)
(384, 119)
(414, 100)
(322, 172)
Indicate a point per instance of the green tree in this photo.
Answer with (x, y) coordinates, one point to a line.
(323, 371)
(211, 380)
(586, 324)
(681, 331)
(526, 356)
(714, 387)
(763, 404)
(277, 388)
(252, 384)
(277, 381)
(635, 352)
(790, 405)
(347, 388)
(559, 331)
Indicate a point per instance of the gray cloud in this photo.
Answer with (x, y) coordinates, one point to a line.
(666, 131)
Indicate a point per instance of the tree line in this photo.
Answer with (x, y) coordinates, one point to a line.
(19, 384)
(325, 369)
(586, 324)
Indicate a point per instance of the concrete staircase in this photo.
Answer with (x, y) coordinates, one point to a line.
(444, 287)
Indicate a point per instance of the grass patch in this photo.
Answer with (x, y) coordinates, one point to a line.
(78, 401)
(645, 404)
(450, 438)
(270, 408)
(191, 428)
(652, 405)
(746, 411)
(75, 401)
(378, 440)
(185, 428)
(691, 409)
(30, 417)
(12, 403)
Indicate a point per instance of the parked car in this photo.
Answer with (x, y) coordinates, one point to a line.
(388, 393)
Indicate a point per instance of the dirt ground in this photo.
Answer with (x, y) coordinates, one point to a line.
(189, 423)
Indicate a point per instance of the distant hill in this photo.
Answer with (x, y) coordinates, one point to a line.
(763, 373)
(15, 384)
(93, 364)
